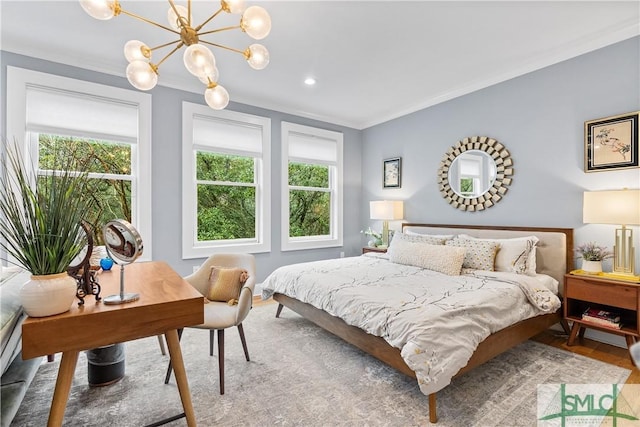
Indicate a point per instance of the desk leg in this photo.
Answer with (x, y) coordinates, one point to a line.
(63, 386)
(181, 375)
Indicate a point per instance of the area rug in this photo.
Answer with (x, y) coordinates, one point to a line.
(300, 375)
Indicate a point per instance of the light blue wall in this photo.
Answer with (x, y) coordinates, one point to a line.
(540, 118)
(166, 169)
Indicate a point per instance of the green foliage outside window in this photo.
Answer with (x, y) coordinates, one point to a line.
(309, 208)
(466, 185)
(226, 197)
(111, 197)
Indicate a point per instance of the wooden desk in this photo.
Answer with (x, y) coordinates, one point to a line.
(167, 303)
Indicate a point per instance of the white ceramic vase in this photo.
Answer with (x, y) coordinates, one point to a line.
(592, 266)
(48, 295)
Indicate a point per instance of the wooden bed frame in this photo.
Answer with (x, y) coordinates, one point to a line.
(492, 346)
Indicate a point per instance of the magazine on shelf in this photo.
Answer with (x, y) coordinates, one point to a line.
(602, 317)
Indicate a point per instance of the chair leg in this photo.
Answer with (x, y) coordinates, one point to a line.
(211, 333)
(280, 307)
(162, 348)
(244, 342)
(221, 358)
(170, 368)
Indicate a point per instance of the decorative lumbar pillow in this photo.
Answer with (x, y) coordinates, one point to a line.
(440, 258)
(225, 284)
(516, 255)
(480, 254)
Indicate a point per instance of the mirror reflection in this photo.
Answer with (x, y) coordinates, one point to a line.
(122, 241)
(472, 173)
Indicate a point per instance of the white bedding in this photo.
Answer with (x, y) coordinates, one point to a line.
(436, 320)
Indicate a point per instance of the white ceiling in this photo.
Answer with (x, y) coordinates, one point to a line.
(373, 60)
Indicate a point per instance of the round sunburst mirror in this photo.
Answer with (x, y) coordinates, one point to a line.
(474, 173)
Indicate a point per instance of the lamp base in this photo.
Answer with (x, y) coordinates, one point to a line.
(120, 299)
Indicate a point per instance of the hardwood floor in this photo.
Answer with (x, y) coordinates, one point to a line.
(586, 347)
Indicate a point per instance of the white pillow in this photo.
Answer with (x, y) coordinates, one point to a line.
(516, 255)
(440, 258)
(436, 236)
(414, 237)
(480, 254)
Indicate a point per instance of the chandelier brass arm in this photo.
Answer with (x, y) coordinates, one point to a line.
(142, 73)
(148, 21)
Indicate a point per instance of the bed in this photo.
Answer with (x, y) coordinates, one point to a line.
(391, 320)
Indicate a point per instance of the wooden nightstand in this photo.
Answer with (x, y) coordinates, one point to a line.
(584, 291)
(370, 249)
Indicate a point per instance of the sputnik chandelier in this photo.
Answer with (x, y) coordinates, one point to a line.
(142, 73)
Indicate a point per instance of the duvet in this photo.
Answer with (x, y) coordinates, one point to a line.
(436, 321)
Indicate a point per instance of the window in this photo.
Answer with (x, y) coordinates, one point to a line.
(107, 127)
(226, 193)
(312, 187)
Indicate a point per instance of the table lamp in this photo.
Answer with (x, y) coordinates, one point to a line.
(620, 207)
(386, 210)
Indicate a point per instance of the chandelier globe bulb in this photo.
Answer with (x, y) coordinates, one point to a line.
(173, 19)
(142, 75)
(99, 9)
(256, 22)
(217, 97)
(212, 75)
(199, 60)
(233, 6)
(135, 50)
(258, 56)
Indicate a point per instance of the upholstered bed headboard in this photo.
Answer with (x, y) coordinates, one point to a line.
(554, 252)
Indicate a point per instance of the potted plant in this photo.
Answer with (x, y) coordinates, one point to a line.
(592, 256)
(40, 227)
(376, 238)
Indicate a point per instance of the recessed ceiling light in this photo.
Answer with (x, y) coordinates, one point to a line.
(309, 81)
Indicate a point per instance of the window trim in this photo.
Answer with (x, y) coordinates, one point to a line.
(19, 79)
(191, 248)
(335, 239)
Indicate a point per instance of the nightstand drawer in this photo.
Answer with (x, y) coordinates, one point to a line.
(607, 294)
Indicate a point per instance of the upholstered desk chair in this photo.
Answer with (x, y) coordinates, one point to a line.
(219, 316)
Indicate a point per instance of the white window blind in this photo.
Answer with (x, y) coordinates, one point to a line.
(57, 111)
(312, 149)
(470, 167)
(227, 135)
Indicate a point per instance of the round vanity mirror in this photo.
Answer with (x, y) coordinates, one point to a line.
(474, 173)
(124, 246)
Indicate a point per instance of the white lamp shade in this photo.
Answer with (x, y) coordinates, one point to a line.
(387, 210)
(611, 207)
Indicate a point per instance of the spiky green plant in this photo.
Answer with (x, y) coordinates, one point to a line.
(40, 224)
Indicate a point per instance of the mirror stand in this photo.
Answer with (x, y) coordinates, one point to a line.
(122, 297)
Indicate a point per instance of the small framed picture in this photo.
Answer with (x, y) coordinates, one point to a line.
(611, 143)
(391, 173)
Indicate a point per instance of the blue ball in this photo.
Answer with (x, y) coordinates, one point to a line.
(106, 263)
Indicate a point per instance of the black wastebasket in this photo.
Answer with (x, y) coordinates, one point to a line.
(105, 365)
